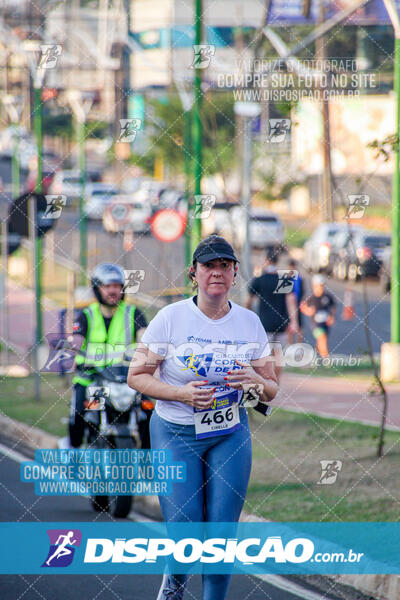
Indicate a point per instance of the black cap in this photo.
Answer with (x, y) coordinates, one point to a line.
(213, 247)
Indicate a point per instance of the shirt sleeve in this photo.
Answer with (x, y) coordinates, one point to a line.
(263, 348)
(253, 286)
(80, 324)
(310, 301)
(332, 302)
(302, 289)
(140, 320)
(156, 336)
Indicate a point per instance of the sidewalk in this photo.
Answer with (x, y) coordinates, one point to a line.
(338, 397)
(21, 307)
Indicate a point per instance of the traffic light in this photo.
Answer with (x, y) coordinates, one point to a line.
(18, 215)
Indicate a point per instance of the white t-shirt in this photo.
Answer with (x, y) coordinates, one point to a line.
(197, 348)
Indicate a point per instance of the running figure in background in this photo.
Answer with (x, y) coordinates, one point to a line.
(276, 308)
(321, 308)
(298, 291)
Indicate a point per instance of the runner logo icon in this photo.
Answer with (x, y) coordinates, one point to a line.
(62, 547)
(197, 363)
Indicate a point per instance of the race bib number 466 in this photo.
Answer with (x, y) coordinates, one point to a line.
(221, 418)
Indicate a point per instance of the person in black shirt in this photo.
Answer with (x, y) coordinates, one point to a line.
(321, 308)
(276, 305)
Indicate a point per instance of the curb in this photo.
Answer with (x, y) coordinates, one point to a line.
(31, 436)
(36, 438)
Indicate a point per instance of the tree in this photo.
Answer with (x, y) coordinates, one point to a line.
(165, 118)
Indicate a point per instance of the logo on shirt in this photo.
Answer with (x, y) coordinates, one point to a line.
(199, 364)
(191, 338)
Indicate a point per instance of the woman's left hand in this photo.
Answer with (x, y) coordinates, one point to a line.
(247, 375)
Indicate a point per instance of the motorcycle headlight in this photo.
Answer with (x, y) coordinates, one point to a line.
(122, 396)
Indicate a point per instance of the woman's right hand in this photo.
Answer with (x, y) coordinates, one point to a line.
(193, 395)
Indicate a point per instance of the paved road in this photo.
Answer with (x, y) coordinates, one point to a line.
(18, 503)
(164, 263)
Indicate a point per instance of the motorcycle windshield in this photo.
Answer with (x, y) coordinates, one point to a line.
(117, 373)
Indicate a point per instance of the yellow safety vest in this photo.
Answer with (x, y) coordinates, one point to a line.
(103, 348)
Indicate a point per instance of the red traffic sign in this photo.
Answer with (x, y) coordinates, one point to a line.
(168, 225)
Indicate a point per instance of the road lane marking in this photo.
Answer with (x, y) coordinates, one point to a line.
(274, 580)
(13, 454)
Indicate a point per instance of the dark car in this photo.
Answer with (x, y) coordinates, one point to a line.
(317, 249)
(385, 272)
(358, 253)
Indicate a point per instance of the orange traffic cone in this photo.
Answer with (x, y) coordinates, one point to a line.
(128, 241)
(348, 308)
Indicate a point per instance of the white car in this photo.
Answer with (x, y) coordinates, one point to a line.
(219, 220)
(97, 197)
(149, 192)
(66, 182)
(124, 213)
(318, 247)
(27, 149)
(265, 227)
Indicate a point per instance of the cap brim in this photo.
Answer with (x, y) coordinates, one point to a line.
(214, 255)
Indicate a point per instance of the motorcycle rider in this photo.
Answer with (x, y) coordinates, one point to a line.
(102, 333)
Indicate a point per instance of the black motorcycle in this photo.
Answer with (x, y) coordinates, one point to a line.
(114, 414)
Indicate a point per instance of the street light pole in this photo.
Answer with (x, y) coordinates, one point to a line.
(82, 216)
(395, 289)
(81, 103)
(390, 352)
(187, 167)
(197, 126)
(38, 82)
(14, 104)
(246, 193)
(187, 99)
(249, 111)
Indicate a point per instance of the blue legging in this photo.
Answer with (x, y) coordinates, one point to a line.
(218, 471)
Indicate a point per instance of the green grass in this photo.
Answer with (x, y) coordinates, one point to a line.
(17, 401)
(342, 372)
(296, 237)
(287, 450)
(380, 210)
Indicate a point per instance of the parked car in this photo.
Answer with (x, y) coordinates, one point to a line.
(219, 220)
(385, 272)
(265, 228)
(131, 185)
(149, 192)
(26, 144)
(170, 198)
(361, 253)
(336, 267)
(97, 197)
(138, 219)
(318, 247)
(66, 182)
